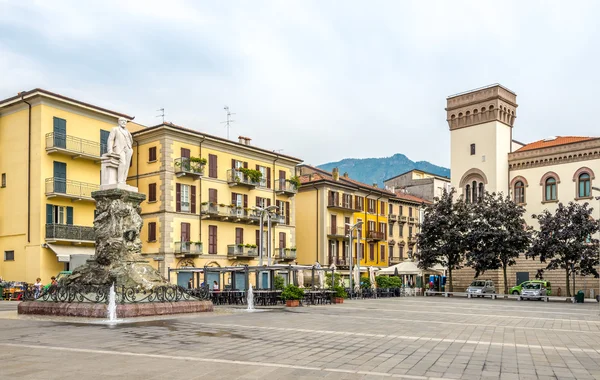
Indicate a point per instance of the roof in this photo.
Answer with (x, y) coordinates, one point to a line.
(418, 170)
(41, 91)
(560, 140)
(201, 134)
(322, 175)
(409, 197)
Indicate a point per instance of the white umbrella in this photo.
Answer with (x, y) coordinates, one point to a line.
(356, 278)
(300, 275)
(372, 277)
(320, 276)
(333, 268)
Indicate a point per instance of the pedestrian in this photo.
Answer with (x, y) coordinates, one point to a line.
(53, 281)
(37, 287)
(191, 283)
(215, 286)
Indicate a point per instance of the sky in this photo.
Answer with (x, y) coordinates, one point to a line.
(319, 80)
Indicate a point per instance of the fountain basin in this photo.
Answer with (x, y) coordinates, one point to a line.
(99, 310)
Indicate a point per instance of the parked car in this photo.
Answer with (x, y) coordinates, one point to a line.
(533, 290)
(516, 290)
(481, 287)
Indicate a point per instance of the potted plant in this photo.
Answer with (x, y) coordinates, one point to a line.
(292, 295)
(204, 203)
(295, 180)
(339, 294)
(279, 282)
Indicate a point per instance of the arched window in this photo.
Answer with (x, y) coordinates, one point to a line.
(519, 192)
(468, 193)
(474, 191)
(481, 190)
(550, 193)
(584, 185)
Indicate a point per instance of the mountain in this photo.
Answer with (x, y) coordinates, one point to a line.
(375, 170)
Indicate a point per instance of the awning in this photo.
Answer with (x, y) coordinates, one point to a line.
(408, 268)
(64, 252)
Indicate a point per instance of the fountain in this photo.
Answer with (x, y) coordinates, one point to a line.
(250, 299)
(112, 304)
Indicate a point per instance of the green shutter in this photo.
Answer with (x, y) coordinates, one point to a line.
(49, 209)
(70, 215)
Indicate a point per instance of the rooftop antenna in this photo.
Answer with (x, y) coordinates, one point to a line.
(162, 114)
(226, 108)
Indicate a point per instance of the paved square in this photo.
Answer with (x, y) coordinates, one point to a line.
(411, 338)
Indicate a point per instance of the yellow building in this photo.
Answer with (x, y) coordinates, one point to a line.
(404, 215)
(328, 202)
(50, 147)
(202, 192)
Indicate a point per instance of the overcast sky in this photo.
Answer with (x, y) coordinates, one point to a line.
(320, 80)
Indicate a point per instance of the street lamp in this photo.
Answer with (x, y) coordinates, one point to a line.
(351, 230)
(262, 211)
(598, 199)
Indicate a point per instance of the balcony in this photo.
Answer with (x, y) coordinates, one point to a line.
(395, 260)
(337, 232)
(392, 218)
(402, 219)
(64, 188)
(187, 248)
(192, 167)
(73, 146)
(412, 240)
(341, 206)
(375, 235)
(69, 233)
(242, 251)
(285, 254)
(284, 187)
(391, 242)
(228, 213)
(277, 219)
(412, 220)
(237, 178)
(339, 261)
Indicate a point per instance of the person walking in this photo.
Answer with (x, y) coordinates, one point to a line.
(191, 283)
(37, 288)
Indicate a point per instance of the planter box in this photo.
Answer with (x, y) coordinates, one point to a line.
(337, 300)
(292, 303)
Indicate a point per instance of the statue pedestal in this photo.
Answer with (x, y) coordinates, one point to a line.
(109, 168)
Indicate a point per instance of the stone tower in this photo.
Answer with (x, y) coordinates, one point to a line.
(481, 122)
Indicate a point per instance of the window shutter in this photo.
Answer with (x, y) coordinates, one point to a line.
(212, 239)
(245, 165)
(257, 237)
(185, 153)
(193, 200)
(152, 192)
(268, 202)
(185, 232)
(49, 212)
(178, 197)
(282, 240)
(245, 200)
(212, 195)
(239, 236)
(268, 178)
(70, 215)
(233, 163)
(287, 213)
(212, 166)
(152, 154)
(234, 199)
(282, 174)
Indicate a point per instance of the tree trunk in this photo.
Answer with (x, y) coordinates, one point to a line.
(505, 282)
(450, 286)
(568, 283)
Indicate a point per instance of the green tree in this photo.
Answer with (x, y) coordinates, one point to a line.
(497, 236)
(565, 240)
(443, 237)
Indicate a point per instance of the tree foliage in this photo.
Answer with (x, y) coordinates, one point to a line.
(565, 240)
(497, 236)
(443, 236)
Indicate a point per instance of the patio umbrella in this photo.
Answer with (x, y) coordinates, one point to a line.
(300, 276)
(372, 277)
(396, 272)
(356, 278)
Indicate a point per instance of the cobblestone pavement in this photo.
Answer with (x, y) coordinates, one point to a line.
(411, 338)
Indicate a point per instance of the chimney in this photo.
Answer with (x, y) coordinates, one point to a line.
(248, 139)
(345, 174)
(336, 174)
(242, 140)
(374, 185)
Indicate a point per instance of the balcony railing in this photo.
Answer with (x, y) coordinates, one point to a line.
(402, 219)
(237, 178)
(188, 166)
(285, 254)
(375, 235)
(395, 260)
(74, 146)
(277, 219)
(58, 187)
(412, 219)
(337, 231)
(392, 217)
(68, 232)
(282, 186)
(231, 213)
(340, 260)
(188, 248)
(344, 206)
(240, 250)
(412, 240)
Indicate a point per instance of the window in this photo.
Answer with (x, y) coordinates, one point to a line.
(382, 228)
(401, 252)
(263, 179)
(359, 203)
(152, 154)
(472, 149)
(410, 231)
(401, 230)
(410, 211)
(474, 191)
(185, 198)
(519, 192)
(9, 255)
(584, 185)
(212, 240)
(359, 228)
(400, 209)
(104, 141)
(550, 189)
(362, 251)
(372, 252)
(152, 192)
(481, 192)
(152, 231)
(282, 240)
(3, 179)
(212, 166)
(347, 200)
(59, 214)
(382, 253)
(239, 236)
(391, 209)
(382, 208)
(372, 205)
(212, 196)
(185, 153)
(334, 198)
(391, 230)
(391, 250)
(468, 193)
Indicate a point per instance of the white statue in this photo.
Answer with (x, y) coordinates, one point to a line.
(116, 160)
(120, 142)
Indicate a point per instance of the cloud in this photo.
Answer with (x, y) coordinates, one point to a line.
(322, 80)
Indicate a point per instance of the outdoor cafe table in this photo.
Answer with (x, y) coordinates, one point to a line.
(229, 297)
(314, 297)
(266, 297)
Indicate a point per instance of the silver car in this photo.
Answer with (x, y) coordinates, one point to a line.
(533, 291)
(480, 288)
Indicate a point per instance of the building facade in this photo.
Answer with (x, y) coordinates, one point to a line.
(202, 192)
(327, 203)
(422, 184)
(50, 147)
(539, 175)
(404, 217)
